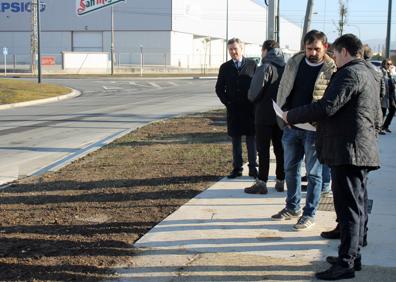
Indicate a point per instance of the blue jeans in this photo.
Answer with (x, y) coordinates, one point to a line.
(326, 178)
(296, 144)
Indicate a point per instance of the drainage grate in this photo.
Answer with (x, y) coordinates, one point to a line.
(327, 204)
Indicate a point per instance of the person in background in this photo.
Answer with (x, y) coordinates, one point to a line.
(348, 118)
(232, 87)
(263, 90)
(304, 81)
(391, 98)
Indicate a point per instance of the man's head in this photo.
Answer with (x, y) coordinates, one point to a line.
(235, 47)
(387, 63)
(347, 48)
(268, 45)
(315, 44)
(367, 52)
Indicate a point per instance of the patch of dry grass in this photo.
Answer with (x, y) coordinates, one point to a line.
(14, 91)
(79, 223)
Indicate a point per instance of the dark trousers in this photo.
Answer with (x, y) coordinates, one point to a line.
(237, 152)
(350, 202)
(264, 135)
(389, 117)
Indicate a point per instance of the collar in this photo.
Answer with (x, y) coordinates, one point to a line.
(313, 64)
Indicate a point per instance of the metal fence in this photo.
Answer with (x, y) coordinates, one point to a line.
(147, 62)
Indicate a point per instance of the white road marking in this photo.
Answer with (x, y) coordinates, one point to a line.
(154, 85)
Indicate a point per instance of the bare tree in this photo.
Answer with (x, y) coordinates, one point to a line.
(343, 12)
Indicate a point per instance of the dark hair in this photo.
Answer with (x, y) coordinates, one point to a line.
(351, 43)
(234, 40)
(270, 44)
(385, 61)
(314, 35)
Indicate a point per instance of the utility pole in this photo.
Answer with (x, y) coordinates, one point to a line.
(307, 21)
(271, 20)
(388, 30)
(33, 39)
(112, 41)
(38, 43)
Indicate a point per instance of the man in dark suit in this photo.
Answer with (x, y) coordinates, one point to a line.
(232, 87)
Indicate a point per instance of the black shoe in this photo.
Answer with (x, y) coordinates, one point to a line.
(333, 234)
(304, 178)
(387, 130)
(365, 241)
(336, 272)
(253, 172)
(382, 132)
(357, 263)
(235, 173)
(304, 188)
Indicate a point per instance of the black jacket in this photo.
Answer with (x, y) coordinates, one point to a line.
(232, 88)
(264, 86)
(348, 115)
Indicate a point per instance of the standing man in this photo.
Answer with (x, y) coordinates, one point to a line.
(263, 90)
(390, 86)
(232, 87)
(304, 81)
(348, 118)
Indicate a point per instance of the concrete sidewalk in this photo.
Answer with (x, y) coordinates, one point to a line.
(224, 234)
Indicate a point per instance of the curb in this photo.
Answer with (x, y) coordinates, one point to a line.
(73, 94)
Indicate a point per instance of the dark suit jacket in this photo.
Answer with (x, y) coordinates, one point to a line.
(232, 88)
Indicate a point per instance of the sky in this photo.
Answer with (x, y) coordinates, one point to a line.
(365, 18)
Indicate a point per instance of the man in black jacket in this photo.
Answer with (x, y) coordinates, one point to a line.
(349, 117)
(262, 92)
(232, 87)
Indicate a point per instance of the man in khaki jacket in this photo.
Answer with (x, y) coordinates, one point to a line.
(304, 81)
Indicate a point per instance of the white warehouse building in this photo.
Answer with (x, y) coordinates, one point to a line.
(180, 33)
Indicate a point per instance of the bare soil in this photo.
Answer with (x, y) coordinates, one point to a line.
(80, 222)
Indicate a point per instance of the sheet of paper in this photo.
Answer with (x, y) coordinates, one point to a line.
(277, 109)
(279, 113)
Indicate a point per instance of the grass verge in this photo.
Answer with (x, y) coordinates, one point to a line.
(15, 91)
(80, 222)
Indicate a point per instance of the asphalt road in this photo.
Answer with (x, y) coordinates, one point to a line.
(46, 137)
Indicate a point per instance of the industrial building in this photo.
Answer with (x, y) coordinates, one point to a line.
(178, 33)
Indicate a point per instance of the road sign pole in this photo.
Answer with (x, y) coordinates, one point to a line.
(5, 53)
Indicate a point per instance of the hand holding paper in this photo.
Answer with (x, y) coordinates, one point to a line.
(282, 115)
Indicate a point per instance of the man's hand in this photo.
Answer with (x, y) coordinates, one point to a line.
(284, 116)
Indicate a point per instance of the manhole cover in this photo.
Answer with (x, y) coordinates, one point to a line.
(327, 204)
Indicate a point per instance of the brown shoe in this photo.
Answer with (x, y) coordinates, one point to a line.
(260, 187)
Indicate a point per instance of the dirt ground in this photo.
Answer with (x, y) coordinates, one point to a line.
(79, 222)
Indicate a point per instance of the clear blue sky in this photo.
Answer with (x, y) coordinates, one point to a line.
(366, 18)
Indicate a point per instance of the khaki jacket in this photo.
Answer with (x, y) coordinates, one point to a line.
(290, 73)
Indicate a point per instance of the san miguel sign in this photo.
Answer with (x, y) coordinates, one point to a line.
(86, 6)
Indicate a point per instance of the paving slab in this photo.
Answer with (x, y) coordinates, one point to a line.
(224, 234)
